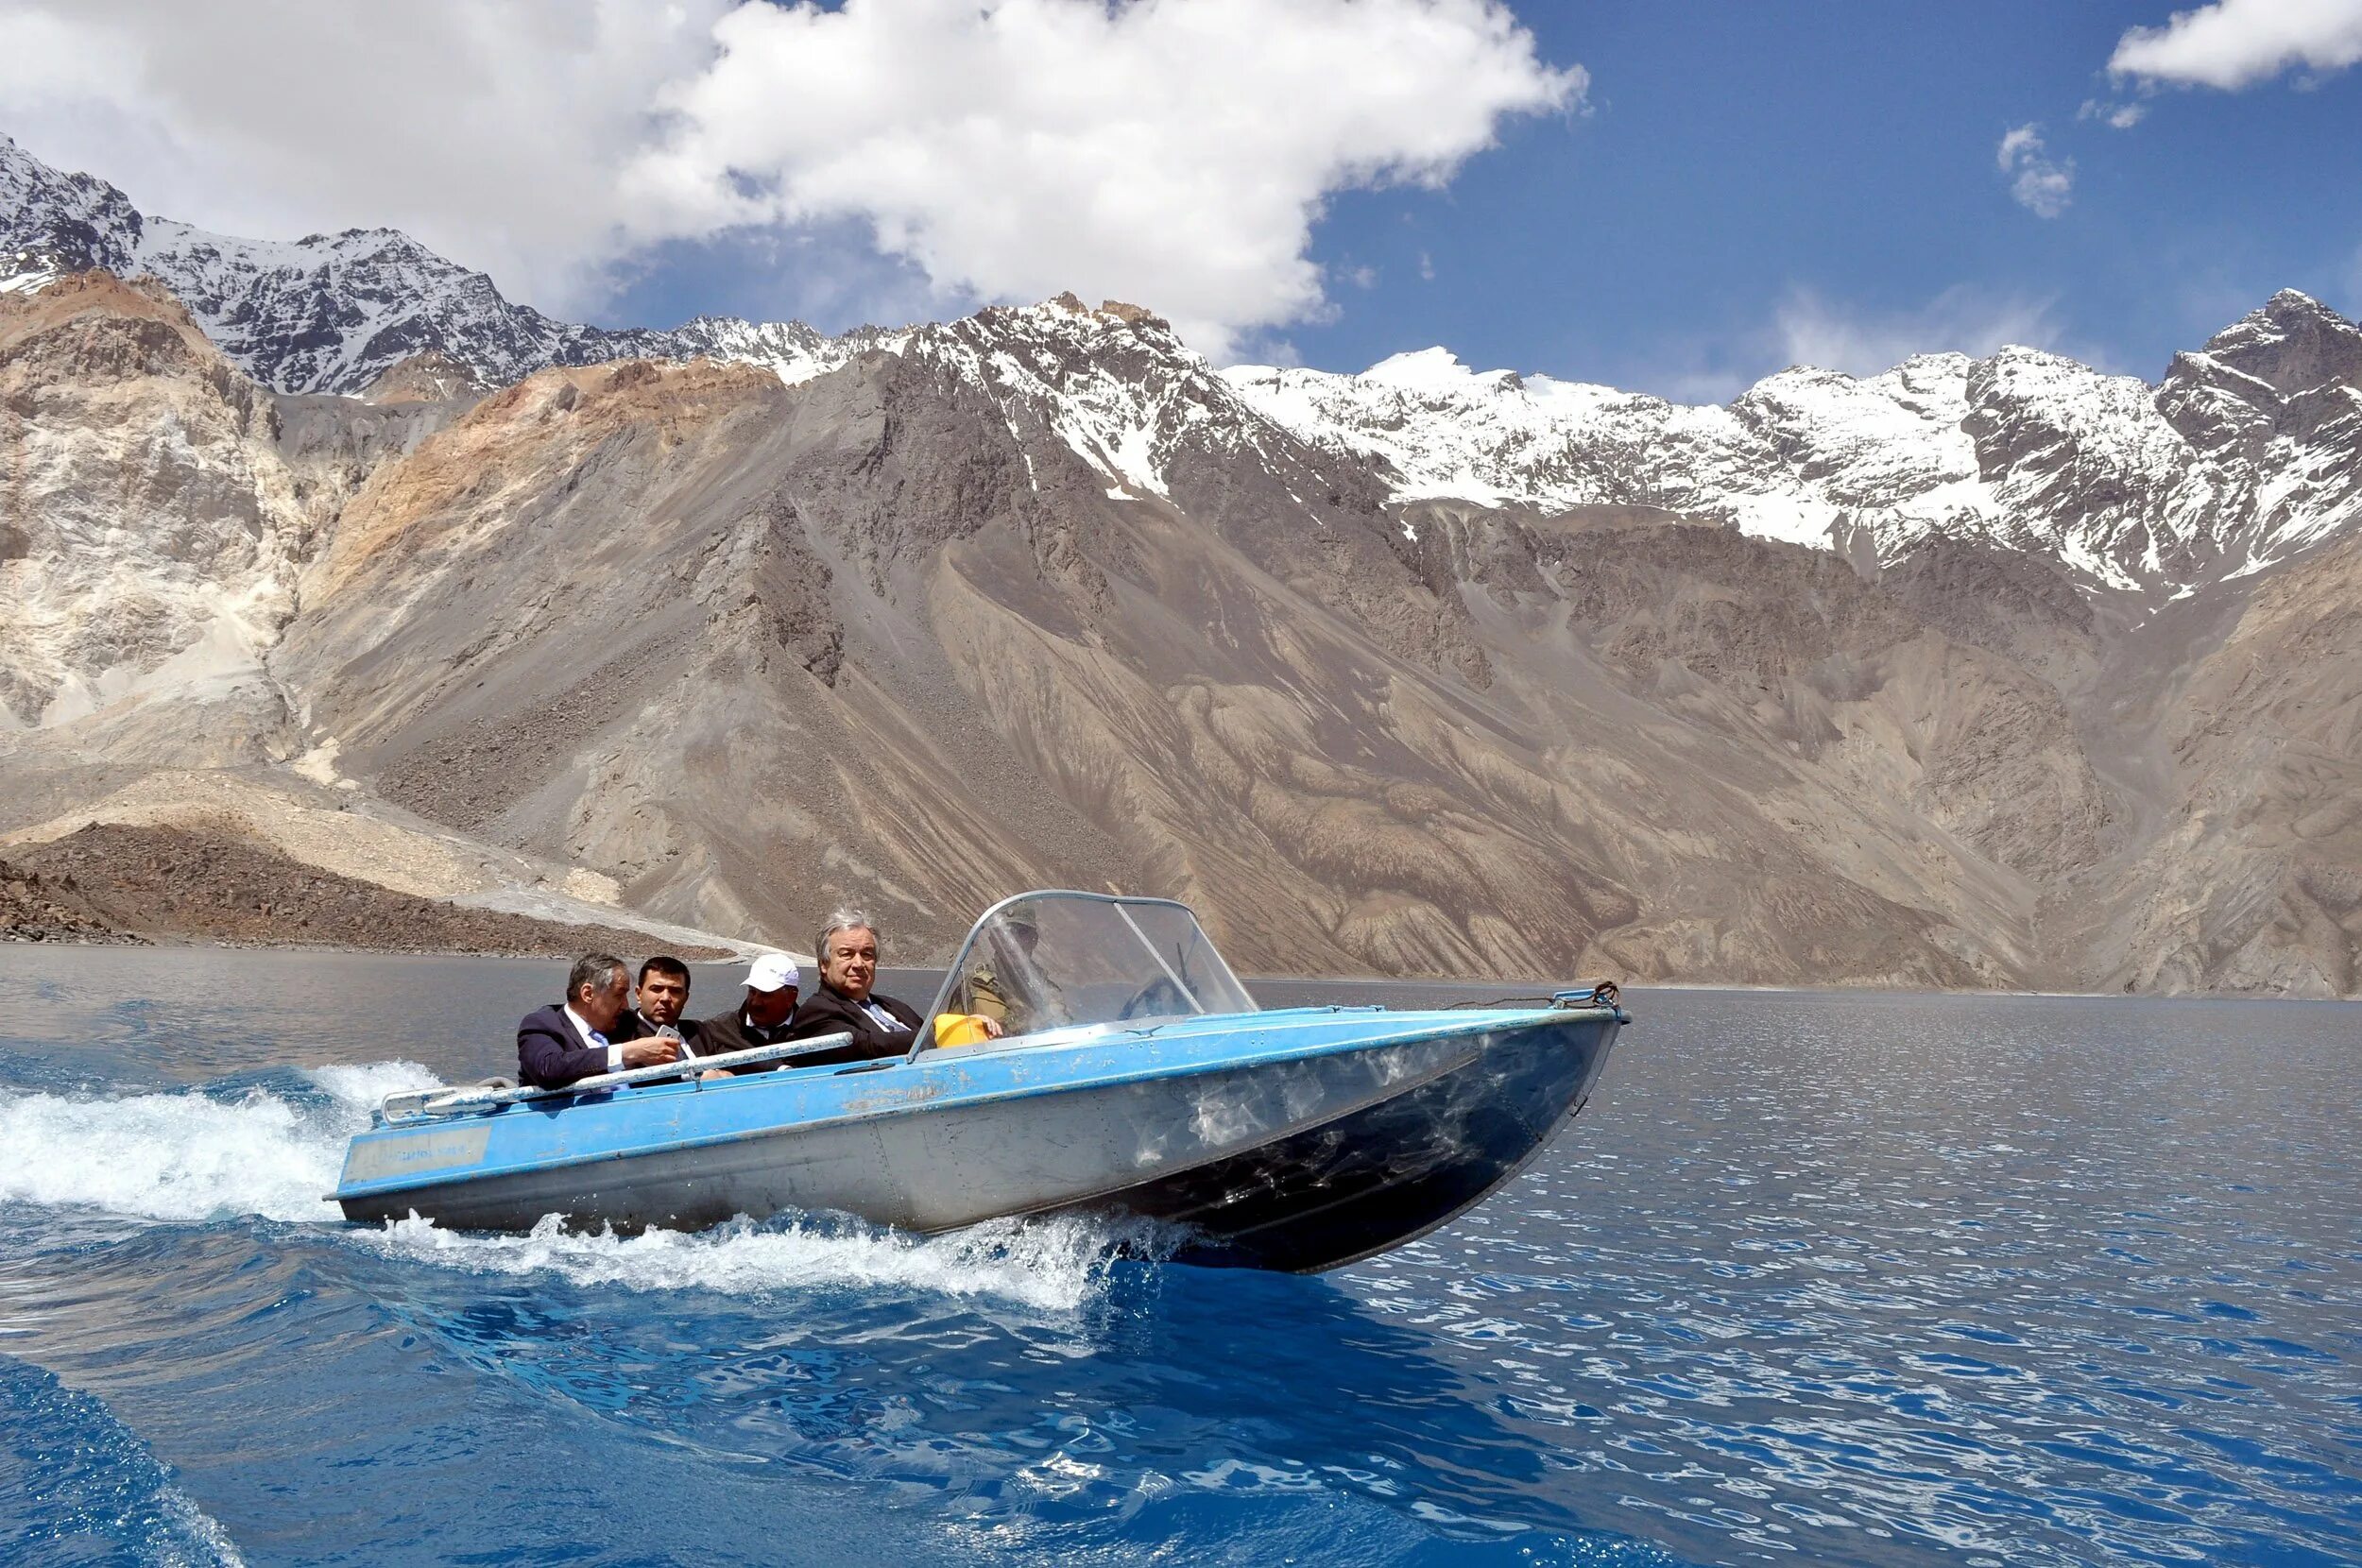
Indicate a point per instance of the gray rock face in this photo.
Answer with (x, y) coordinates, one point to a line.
(908, 635)
(152, 528)
(2294, 343)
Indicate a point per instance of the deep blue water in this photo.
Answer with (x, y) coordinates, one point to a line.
(1843, 1279)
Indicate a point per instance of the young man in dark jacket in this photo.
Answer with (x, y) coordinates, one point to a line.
(660, 997)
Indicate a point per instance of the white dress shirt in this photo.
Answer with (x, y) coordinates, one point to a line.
(614, 1050)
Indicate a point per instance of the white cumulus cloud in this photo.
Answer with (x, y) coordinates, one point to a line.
(2040, 183)
(491, 134)
(1174, 152)
(2236, 44)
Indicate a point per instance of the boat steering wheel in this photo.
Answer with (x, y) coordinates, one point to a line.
(1156, 998)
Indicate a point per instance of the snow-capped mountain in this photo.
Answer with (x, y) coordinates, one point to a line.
(332, 313)
(53, 222)
(327, 312)
(335, 313)
(789, 350)
(1114, 386)
(2248, 453)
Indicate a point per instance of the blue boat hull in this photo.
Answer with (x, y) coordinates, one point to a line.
(1288, 1140)
(1377, 1177)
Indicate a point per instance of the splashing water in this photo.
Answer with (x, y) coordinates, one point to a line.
(1050, 1265)
(196, 1156)
(191, 1155)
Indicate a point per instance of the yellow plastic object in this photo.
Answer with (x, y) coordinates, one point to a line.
(960, 1028)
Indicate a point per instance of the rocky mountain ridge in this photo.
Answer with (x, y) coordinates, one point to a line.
(2248, 453)
(2242, 456)
(1038, 597)
(327, 313)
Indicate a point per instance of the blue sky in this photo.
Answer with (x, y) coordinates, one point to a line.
(1676, 197)
(1746, 180)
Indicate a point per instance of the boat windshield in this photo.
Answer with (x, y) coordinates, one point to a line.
(1048, 959)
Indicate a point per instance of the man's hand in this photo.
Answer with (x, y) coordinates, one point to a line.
(651, 1053)
(711, 1073)
(992, 1028)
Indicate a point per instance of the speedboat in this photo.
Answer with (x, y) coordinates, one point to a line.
(1086, 1054)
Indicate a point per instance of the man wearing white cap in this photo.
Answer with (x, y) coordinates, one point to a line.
(772, 984)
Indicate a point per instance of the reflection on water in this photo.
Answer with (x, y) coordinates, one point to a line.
(1852, 1279)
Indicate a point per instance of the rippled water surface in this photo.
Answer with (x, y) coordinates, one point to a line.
(1815, 1279)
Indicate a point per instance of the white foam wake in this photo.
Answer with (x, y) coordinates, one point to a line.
(187, 1156)
(195, 1538)
(1052, 1263)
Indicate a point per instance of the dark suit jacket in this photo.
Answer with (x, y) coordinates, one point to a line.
(550, 1054)
(631, 1026)
(727, 1032)
(828, 1012)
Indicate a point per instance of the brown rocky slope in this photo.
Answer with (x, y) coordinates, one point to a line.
(897, 635)
(861, 638)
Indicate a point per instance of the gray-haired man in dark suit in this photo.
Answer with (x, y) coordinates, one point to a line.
(575, 1038)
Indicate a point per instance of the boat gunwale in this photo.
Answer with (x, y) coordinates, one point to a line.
(1518, 1020)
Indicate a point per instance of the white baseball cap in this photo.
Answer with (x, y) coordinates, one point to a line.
(773, 972)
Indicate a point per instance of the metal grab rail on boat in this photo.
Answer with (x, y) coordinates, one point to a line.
(1590, 996)
(420, 1104)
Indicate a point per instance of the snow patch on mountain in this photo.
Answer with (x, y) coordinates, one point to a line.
(789, 350)
(2244, 456)
(1112, 385)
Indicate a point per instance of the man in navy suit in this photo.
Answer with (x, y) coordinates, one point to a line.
(576, 1038)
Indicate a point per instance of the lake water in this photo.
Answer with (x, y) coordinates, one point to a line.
(1852, 1279)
